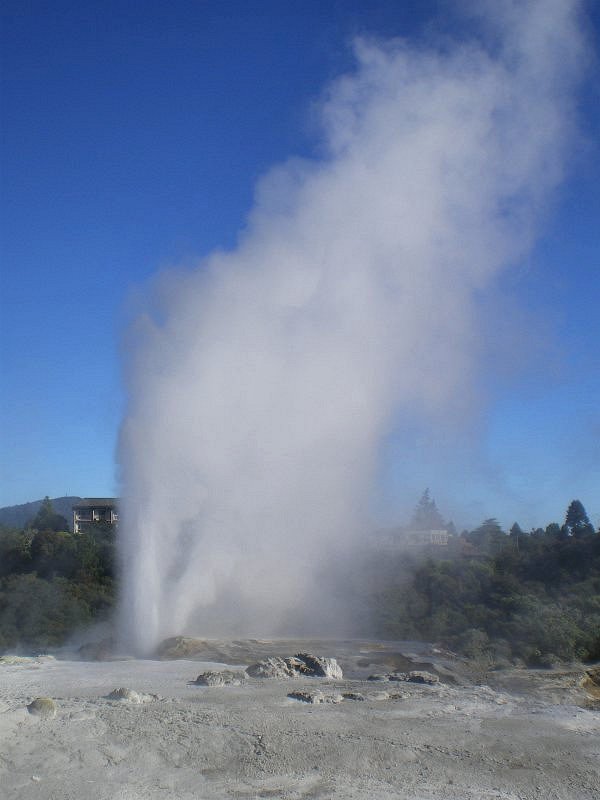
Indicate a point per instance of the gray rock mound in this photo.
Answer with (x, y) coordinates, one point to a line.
(316, 697)
(224, 677)
(272, 667)
(124, 695)
(319, 666)
(353, 696)
(300, 665)
(44, 707)
(415, 676)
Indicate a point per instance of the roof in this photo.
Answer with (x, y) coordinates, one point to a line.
(97, 502)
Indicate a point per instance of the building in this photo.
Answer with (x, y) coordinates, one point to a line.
(432, 538)
(397, 539)
(94, 509)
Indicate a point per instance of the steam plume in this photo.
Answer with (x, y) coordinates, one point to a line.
(262, 384)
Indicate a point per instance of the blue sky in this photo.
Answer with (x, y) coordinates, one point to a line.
(132, 138)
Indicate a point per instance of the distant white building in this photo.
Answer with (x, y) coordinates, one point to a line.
(432, 538)
(94, 509)
(396, 539)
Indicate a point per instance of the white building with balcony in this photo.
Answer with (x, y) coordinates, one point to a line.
(94, 509)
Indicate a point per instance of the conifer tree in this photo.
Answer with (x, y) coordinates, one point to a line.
(576, 521)
(426, 516)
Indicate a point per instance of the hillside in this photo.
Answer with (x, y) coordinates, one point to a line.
(19, 516)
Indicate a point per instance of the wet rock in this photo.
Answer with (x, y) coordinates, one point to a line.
(300, 665)
(378, 678)
(224, 677)
(44, 707)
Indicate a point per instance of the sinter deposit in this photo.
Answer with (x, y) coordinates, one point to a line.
(200, 730)
(300, 665)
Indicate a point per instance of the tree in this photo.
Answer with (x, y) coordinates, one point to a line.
(553, 530)
(47, 519)
(426, 516)
(516, 530)
(576, 520)
(489, 536)
(516, 533)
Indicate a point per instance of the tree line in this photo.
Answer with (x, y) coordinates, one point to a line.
(53, 582)
(498, 596)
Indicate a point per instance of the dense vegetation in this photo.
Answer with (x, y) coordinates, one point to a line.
(497, 596)
(492, 595)
(53, 582)
(20, 516)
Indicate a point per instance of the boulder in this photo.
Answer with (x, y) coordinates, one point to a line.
(272, 667)
(319, 666)
(225, 677)
(300, 665)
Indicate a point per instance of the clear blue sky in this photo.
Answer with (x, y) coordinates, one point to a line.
(132, 137)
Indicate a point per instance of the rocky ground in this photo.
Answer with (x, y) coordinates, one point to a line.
(127, 729)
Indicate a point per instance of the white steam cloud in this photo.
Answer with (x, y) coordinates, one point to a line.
(262, 384)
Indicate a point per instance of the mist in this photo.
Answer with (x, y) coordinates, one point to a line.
(262, 383)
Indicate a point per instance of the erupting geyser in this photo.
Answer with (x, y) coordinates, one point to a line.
(262, 383)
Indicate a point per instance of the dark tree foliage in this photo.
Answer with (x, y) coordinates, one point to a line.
(576, 520)
(47, 520)
(553, 529)
(498, 597)
(488, 537)
(53, 582)
(493, 596)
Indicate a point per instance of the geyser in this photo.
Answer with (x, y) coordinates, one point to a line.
(262, 383)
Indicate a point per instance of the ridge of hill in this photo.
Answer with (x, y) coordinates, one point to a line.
(18, 516)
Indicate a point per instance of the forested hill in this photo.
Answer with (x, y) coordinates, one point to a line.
(19, 516)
